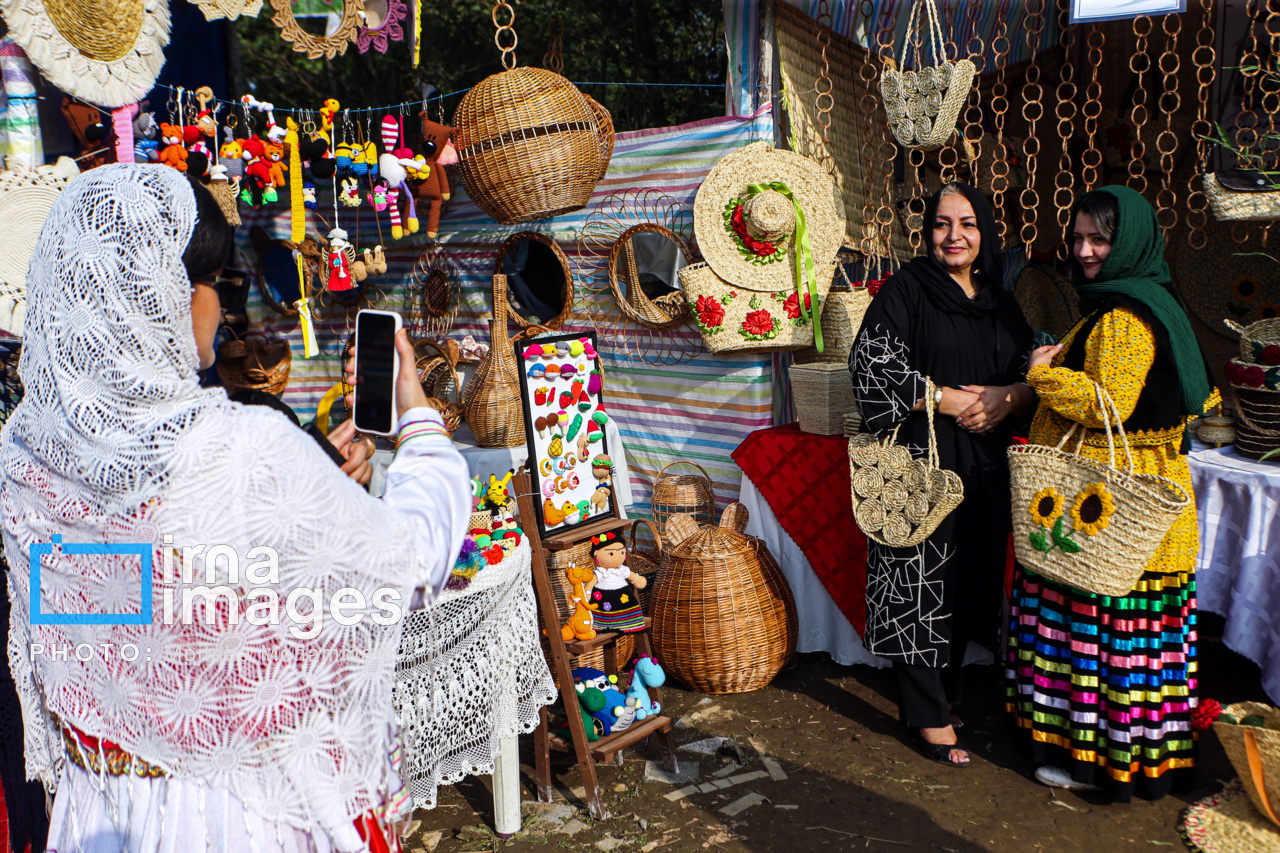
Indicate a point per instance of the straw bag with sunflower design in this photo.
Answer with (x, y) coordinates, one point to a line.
(1085, 524)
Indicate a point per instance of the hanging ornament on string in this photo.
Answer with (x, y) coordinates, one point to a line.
(381, 24)
(298, 232)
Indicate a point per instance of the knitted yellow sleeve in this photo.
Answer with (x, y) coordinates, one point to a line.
(1118, 355)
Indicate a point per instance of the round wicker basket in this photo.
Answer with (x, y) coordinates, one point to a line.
(1255, 337)
(1262, 782)
(530, 145)
(255, 365)
(688, 493)
(724, 620)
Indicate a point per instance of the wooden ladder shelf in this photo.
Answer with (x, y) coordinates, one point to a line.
(563, 654)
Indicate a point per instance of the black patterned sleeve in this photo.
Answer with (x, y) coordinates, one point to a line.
(885, 385)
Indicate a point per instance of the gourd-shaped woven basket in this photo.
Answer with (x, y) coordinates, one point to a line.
(530, 145)
(724, 619)
(491, 401)
(683, 492)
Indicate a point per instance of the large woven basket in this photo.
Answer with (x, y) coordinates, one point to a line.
(923, 104)
(684, 492)
(1258, 427)
(1256, 337)
(724, 620)
(823, 395)
(1118, 517)
(842, 313)
(734, 318)
(1258, 763)
(530, 145)
(1230, 205)
(256, 365)
(491, 401)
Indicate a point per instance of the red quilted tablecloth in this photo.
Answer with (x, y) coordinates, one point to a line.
(805, 479)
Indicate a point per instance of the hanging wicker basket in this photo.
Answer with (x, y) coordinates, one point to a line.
(687, 493)
(491, 400)
(530, 145)
(724, 619)
(254, 365)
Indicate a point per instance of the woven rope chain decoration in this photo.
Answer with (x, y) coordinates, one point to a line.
(885, 215)
(868, 105)
(973, 110)
(1092, 157)
(554, 58)
(1139, 64)
(508, 53)
(1267, 83)
(1032, 111)
(1167, 140)
(1250, 66)
(1203, 57)
(1000, 106)
(822, 86)
(949, 154)
(1064, 194)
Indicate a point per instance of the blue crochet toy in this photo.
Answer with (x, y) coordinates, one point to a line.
(618, 713)
(647, 673)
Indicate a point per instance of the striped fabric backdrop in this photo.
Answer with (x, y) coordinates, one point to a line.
(699, 410)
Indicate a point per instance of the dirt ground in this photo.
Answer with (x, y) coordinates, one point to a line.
(852, 780)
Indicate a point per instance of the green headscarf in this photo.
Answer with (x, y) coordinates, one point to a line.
(1136, 268)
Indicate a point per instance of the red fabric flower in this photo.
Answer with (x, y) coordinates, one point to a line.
(710, 312)
(792, 305)
(874, 285)
(1271, 355)
(1254, 376)
(757, 247)
(1233, 372)
(758, 323)
(1204, 715)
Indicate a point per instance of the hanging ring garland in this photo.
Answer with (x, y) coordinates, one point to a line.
(1139, 64)
(1032, 111)
(1064, 181)
(1092, 157)
(1000, 46)
(508, 53)
(313, 46)
(1167, 140)
(553, 60)
(1203, 56)
(885, 215)
(867, 103)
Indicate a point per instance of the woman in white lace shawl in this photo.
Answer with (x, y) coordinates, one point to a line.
(241, 733)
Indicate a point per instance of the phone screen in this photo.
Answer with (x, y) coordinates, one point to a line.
(375, 372)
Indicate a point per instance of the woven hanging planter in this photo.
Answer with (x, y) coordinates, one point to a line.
(923, 104)
(530, 145)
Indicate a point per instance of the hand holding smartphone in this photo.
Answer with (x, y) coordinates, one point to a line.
(383, 372)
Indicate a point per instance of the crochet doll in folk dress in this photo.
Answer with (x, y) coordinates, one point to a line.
(617, 606)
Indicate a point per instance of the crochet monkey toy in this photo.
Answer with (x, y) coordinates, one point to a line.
(437, 148)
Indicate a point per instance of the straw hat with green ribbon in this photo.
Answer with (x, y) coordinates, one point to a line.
(768, 220)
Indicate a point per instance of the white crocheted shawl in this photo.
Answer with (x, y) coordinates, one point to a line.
(115, 442)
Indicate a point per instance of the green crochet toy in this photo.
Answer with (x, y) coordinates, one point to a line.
(590, 701)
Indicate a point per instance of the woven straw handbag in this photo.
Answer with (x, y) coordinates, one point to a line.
(1242, 196)
(1117, 517)
(899, 501)
(1255, 754)
(923, 104)
(1256, 337)
(758, 318)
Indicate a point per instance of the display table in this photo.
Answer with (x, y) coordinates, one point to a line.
(470, 678)
(1238, 571)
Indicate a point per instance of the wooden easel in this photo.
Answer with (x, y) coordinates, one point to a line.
(564, 653)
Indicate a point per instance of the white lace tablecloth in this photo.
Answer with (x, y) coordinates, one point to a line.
(1238, 572)
(470, 673)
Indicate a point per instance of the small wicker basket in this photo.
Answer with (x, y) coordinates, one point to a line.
(823, 394)
(688, 493)
(1258, 421)
(1217, 431)
(1255, 337)
(1261, 775)
(530, 145)
(842, 313)
(724, 619)
(255, 365)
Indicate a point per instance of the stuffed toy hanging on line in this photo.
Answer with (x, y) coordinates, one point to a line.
(394, 165)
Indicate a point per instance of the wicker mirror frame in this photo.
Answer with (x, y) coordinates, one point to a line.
(312, 249)
(554, 322)
(317, 46)
(634, 303)
(390, 29)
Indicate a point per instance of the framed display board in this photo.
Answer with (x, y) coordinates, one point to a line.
(562, 387)
(1088, 11)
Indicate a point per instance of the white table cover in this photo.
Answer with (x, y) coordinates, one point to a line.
(1238, 570)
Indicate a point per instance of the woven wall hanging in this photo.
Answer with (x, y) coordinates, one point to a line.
(25, 201)
(229, 9)
(385, 30)
(106, 53)
(315, 46)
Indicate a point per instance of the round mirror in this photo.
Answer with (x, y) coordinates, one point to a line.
(644, 273)
(539, 282)
(375, 13)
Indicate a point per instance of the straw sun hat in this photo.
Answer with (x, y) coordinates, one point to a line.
(1227, 822)
(106, 52)
(767, 194)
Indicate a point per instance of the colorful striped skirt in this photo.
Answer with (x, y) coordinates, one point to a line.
(1105, 685)
(617, 610)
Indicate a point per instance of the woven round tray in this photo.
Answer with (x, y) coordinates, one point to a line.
(1227, 822)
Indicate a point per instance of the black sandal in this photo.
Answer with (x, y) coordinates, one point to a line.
(940, 752)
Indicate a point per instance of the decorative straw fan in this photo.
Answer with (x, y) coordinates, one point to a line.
(106, 52)
(25, 201)
(653, 330)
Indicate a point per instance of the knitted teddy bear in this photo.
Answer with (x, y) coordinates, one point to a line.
(173, 154)
(274, 155)
(438, 150)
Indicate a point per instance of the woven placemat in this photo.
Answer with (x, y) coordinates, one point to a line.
(1227, 822)
(1225, 281)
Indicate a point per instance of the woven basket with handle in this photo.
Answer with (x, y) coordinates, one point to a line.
(899, 501)
(842, 313)
(1258, 430)
(1117, 517)
(923, 104)
(683, 492)
(438, 372)
(1256, 337)
(254, 364)
(491, 401)
(736, 318)
(724, 619)
(1231, 203)
(1255, 754)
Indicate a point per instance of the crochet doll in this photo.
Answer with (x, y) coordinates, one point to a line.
(617, 606)
(438, 150)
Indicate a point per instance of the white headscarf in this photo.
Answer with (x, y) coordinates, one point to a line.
(115, 442)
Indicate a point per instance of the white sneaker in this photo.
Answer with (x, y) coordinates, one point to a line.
(1056, 777)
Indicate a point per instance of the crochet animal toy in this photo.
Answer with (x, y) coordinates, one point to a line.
(327, 112)
(590, 702)
(229, 155)
(258, 185)
(349, 195)
(438, 151)
(618, 714)
(173, 153)
(647, 673)
(579, 625)
(495, 496)
(273, 153)
(393, 166)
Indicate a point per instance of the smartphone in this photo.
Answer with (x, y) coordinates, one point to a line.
(377, 366)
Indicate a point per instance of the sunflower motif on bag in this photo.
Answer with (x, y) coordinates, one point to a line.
(1046, 511)
(1243, 290)
(1046, 507)
(1092, 510)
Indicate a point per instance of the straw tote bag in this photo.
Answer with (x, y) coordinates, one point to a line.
(1117, 517)
(924, 103)
(899, 501)
(1242, 195)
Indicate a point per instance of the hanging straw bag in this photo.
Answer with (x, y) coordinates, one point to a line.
(1242, 196)
(899, 501)
(924, 103)
(1118, 518)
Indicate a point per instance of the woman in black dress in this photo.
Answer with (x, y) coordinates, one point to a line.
(944, 316)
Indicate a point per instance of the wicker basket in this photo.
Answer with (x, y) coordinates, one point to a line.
(842, 313)
(687, 493)
(735, 318)
(1255, 337)
(724, 620)
(1217, 431)
(1258, 421)
(1263, 770)
(823, 394)
(480, 520)
(530, 145)
(254, 365)
(1232, 205)
(491, 401)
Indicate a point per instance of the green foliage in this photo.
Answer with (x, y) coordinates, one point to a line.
(632, 41)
